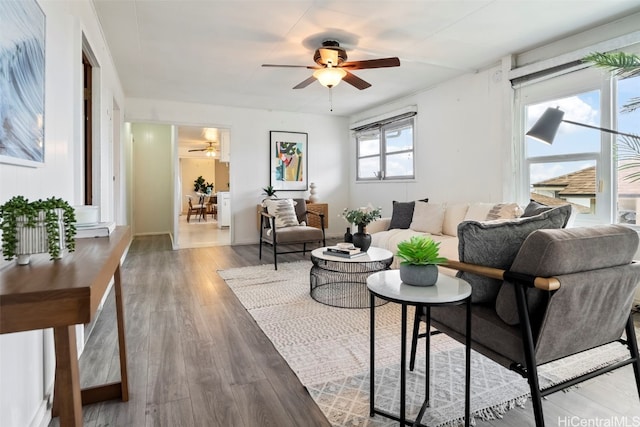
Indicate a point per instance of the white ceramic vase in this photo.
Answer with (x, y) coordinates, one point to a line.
(34, 240)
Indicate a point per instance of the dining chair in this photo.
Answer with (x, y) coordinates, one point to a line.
(198, 209)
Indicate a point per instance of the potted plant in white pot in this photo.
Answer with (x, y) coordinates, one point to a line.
(36, 227)
(421, 256)
(270, 192)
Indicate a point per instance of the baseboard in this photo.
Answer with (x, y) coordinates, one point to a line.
(42, 417)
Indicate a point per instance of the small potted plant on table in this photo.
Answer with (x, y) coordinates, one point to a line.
(36, 227)
(421, 256)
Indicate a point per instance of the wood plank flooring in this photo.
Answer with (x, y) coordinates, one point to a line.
(197, 358)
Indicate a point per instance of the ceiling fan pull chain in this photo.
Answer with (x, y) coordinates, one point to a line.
(330, 99)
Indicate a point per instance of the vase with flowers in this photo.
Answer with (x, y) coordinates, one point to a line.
(361, 217)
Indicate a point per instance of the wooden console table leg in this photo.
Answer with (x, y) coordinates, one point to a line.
(122, 347)
(67, 381)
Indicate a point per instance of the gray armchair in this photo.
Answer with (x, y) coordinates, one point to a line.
(292, 235)
(567, 291)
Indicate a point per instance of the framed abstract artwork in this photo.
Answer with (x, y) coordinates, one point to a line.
(22, 75)
(289, 160)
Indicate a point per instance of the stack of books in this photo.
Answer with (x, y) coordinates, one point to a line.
(99, 229)
(344, 252)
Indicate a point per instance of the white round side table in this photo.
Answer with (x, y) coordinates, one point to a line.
(447, 290)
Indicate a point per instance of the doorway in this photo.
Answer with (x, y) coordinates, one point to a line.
(203, 176)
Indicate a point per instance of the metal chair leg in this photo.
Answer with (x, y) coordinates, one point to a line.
(632, 343)
(529, 356)
(275, 254)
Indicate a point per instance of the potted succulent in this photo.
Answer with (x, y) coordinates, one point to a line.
(36, 227)
(421, 256)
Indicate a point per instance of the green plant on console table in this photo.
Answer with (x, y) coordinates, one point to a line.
(19, 209)
(420, 250)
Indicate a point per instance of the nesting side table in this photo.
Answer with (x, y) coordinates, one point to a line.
(342, 282)
(387, 285)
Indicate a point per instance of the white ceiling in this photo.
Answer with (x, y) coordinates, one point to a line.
(211, 51)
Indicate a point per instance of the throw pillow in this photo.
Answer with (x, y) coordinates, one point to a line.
(535, 208)
(428, 218)
(284, 211)
(496, 243)
(478, 211)
(401, 215)
(503, 211)
(454, 215)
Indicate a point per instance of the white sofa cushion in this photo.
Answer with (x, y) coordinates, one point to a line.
(454, 215)
(428, 218)
(478, 211)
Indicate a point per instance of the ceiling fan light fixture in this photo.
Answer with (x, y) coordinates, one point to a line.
(211, 134)
(330, 76)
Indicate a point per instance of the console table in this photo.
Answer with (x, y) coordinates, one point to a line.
(60, 294)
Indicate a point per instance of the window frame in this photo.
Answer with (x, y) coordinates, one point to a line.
(381, 128)
(570, 84)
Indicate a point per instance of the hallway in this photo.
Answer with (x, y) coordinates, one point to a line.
(198, 234)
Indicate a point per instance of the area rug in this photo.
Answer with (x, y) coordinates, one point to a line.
(328, 349)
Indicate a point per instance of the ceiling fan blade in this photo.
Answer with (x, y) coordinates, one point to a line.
(356, 81)
(285, 66)
(305, 83)
(372, 63)
(308, 67)
(329, 56)
(199, 149)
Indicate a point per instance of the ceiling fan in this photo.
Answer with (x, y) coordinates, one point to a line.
(333, 67)
(210, 151)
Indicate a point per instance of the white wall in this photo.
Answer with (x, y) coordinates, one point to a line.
(26, 359)
(458, 145)
(152, 196)
(329, 160)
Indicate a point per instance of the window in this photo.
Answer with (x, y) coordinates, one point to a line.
(385, 149)
(581, 166)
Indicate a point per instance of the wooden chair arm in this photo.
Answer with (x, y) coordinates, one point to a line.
(543, 283)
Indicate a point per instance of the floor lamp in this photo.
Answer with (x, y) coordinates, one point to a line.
(546, 127)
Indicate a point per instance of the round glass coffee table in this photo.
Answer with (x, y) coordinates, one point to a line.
(342, 282)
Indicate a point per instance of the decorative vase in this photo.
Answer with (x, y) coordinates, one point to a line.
(419, 275)
(348, 237)
(312, 193)
(361, 239)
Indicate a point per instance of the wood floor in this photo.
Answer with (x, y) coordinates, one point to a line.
(197, 358)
